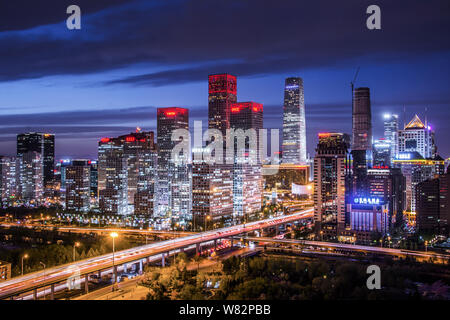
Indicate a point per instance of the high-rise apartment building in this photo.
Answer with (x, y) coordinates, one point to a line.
(330, 171)
(294, 123)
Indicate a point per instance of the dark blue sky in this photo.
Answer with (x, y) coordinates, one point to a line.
(131, 57)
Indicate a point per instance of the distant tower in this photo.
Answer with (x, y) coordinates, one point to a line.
(391, 132)
(294, 124)
(362, 135)
(362, 120)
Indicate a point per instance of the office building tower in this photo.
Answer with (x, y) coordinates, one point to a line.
(247, 174)
(8, 180)
(417, 137)
(31, 177)
(433, 205)
(174, 186)
(391, 133)
(212, 194)
(362, 135)
(94, 181)
(120, 169)
(212, 183)
(77, 185)
(112, 177)
(368, 216)
(146, 166)
(417, 169)
(294, 123)
(222, 90)
(330, 171)
(42, 143)
(381, 153)
(388, 185)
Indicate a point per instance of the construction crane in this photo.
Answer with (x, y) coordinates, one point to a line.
(354, 80)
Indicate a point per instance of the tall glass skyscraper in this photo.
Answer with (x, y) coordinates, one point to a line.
(294, 124)
(391, 132)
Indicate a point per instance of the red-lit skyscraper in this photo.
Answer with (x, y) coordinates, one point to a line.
(222, 90)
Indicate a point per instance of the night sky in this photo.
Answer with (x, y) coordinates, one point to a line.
(131, 57)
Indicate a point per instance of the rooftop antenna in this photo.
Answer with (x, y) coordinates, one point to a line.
(353, 84)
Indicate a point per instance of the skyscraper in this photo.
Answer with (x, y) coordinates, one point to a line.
(174, 188)
(123, 165)
(433, 205)
(362, 136)
(212, 183)
(330, 171)
(247, 175)
(294, 123)
(8, 180)
(31, 177)
(222, 93)
(78, 186)
(42, 143)
(417, 137)
(112, 177)
(391, 133)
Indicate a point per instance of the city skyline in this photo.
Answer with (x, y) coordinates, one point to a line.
(110, 97)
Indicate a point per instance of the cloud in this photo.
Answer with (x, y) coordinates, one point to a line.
(253, 37)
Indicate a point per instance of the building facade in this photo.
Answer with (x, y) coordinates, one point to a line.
(174, 175)
(294, 123)
(417, 137)
(78, 186)
(330, 171)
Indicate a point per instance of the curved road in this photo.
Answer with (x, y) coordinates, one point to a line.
(61, 273)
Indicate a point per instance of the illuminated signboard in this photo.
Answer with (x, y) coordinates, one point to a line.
(404, 156)
(363, 200)
(294, 86)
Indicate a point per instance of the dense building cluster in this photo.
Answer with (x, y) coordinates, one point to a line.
(361, 185)
(364, 188)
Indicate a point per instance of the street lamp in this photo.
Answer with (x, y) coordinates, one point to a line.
(75, 245)
(207, 218)
(114, 235)
(25, 256)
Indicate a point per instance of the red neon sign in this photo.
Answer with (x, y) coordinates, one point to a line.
(324, 135)
(130, 139)
(104, 140)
